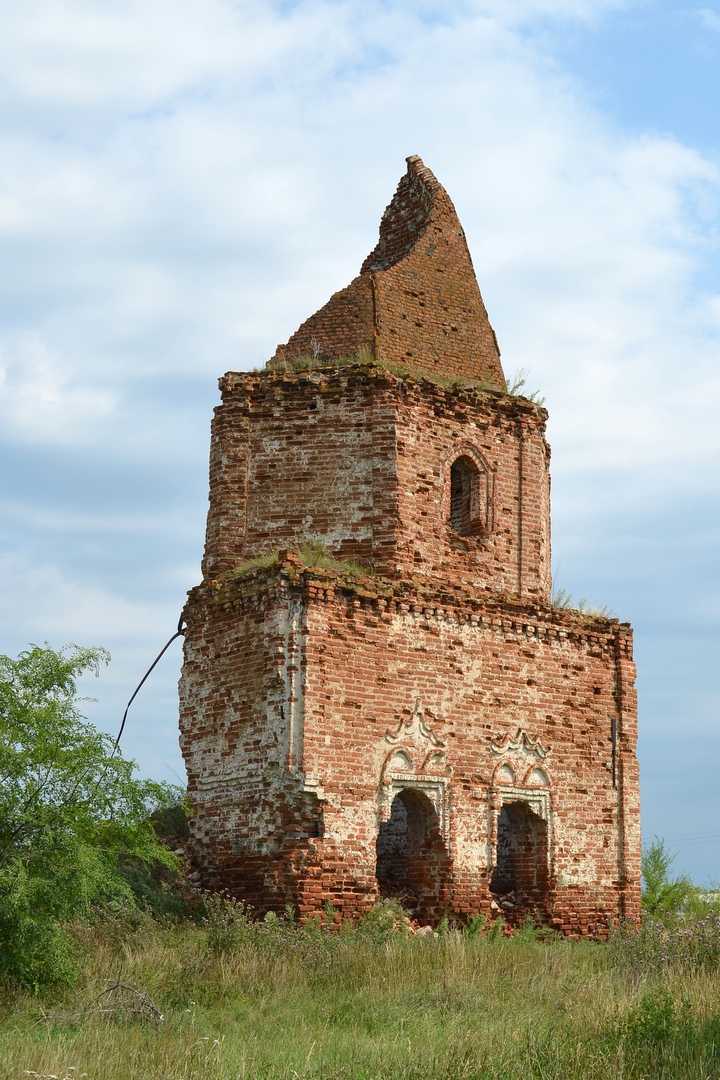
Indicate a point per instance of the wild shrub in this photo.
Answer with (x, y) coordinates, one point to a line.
(515, 387)
(663, 896)
(562, 600)
(70, 812)
(475, 925)
(662, 1037)
(689, 945)
(532, 931)
(385, 920)
(227, 923)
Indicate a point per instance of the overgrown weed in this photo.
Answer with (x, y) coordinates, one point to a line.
(259, 562)
(313, 553)
(272, 998)
(515, 387)
(686, 945)
(562, 600)
(316, 360)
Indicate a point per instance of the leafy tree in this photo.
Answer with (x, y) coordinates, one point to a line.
(663, 896)
(70, 812)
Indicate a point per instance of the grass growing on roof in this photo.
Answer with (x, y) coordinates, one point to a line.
(318, 361)
(259, 562)
(315, 553)
(562, 600)
(312, 553)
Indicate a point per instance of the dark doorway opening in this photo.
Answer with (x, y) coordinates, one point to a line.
(520, 878)
(411, 854)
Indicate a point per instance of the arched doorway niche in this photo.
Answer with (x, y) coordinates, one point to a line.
(521, 865)
(411, 848)
(520, 842)
(403, 843)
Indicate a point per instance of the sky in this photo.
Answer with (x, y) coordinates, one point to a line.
(182, 182)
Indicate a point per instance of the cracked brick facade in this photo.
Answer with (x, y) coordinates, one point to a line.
(412, 718)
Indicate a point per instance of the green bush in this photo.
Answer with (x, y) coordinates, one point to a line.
(71, 812)
(385, 920)
(663, 896)
(665, 1038)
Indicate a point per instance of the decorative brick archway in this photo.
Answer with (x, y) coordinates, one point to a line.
(409, 848)
(520, 838)
(412, 844)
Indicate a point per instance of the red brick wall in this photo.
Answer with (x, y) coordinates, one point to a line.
(295, 456)
(416, 301)
(344, 326)
(361, 458)
(300, 691)
(311, 700)
(511, 554)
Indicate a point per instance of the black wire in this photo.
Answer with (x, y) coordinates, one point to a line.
(178, 633)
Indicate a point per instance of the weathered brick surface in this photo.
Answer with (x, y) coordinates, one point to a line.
(416, 300)
(432, 728)
(308, 699)
(360, 458)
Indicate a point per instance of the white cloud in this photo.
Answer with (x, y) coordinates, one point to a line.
(37, 597)
(709, 18)
(41, 603)
(41, 401)
(233, 172)
(183, 181)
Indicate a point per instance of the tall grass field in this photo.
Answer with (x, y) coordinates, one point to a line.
(230, 998)
(114, 967)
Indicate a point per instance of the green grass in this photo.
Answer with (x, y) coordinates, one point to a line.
(312, 553)
(309, 362)
(260, 562)
(278, 1001)
(315, 553)
(514, 387)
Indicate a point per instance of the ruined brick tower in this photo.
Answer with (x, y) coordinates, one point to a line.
(378, 697)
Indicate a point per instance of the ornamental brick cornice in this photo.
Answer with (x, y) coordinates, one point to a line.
(327, 378)
(505, 616)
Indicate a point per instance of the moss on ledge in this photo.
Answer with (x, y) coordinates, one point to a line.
(305, 363)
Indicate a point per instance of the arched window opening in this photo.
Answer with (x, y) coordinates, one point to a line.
(410, 850)
(465, 496)
(520, 877)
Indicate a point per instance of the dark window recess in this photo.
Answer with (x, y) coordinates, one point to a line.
(465, 510)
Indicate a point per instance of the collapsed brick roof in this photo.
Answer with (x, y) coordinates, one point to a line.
(416, 301)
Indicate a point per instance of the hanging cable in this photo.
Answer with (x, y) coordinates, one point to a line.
(180, 632)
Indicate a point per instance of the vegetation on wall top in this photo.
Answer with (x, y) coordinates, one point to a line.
(513, 387)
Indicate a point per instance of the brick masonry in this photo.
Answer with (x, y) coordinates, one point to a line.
(416, 300)
(422, 723)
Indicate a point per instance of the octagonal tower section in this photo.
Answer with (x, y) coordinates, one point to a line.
(405, 476)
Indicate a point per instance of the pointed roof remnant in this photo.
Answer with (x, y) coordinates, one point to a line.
(416, 301)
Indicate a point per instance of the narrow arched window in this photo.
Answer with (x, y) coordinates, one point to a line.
(465, 508)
